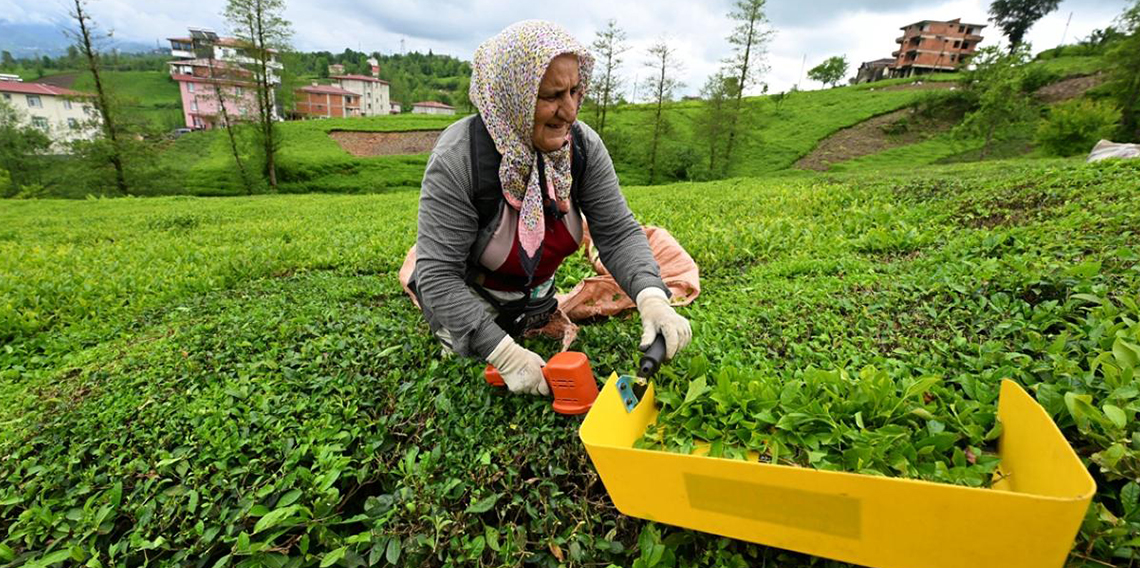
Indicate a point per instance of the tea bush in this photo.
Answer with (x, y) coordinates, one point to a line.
(242, 382)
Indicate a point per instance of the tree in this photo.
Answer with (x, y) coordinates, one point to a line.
(713, 122)
(608, 46)
(323, 67)
(222, 75)
(662, 59)
(1015, 17)
(85, 39)
(749, 41)
(6, 60)
(831, 71)
(21, 148)
(996, 80)
(263, 32)
(1124, 73)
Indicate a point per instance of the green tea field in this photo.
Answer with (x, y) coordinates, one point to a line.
(241, 381)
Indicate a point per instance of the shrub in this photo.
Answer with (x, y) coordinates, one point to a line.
(1075, 126)
(1037, 76)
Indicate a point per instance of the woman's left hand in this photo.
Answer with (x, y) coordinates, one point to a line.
(657, 316)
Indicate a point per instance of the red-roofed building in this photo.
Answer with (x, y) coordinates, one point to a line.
(65, 115)
(326, 101)
(373, 93)
(432, 107)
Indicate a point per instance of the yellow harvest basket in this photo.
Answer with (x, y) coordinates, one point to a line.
(1028, 519)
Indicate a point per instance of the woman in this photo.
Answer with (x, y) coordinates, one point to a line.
(502, 203)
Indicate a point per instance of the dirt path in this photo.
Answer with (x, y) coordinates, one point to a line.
(1070, 88)
(871, 136)
(385, 143)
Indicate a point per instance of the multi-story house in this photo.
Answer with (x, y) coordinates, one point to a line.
(930, 46)
(373, 93)
(212, 70)
(432, 107)
(326, 101)
(63, 114)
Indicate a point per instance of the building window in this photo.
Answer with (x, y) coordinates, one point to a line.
(194, 105)
(957, 44)
(73, 124)
(34, 101)
(965, 45)
(237, 91)
(347, 100)
(66, 104)
(7, 96)
(189, 87)
(40, 122)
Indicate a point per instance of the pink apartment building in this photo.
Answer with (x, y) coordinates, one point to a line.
(209, 70)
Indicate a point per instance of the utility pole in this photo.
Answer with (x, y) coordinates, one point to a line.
(801, 75)
(1066, 33)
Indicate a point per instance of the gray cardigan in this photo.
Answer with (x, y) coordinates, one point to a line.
(448, 231)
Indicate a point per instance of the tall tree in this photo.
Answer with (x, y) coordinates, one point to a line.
(663, 61)
(608, 46)
(1015, 17)
(712, 123)
(22, 149)
(263, 32)
(85, 39)
(996, 79)
(222, 74)
(749, 41)
(1124, 74)
(831, 71)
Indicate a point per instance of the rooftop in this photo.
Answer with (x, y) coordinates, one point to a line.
(957, 21)
(38, 89)
(433, 104)
(359, 78)
(327, 90)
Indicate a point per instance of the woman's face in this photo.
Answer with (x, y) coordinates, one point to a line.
(559, 95)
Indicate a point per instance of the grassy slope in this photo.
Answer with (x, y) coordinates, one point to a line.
(309, 160)
(220, 355)
(945, 148)
(146, 95)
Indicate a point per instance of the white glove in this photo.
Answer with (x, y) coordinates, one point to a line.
(520, 367)
(658, 316)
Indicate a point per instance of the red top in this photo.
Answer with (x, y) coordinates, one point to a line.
(557, 244)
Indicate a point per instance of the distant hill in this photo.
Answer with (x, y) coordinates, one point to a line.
(27, 40)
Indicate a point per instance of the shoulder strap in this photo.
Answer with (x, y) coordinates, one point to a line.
(578, 160)
(485, 159)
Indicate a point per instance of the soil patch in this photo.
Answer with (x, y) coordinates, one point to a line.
(385, 143)
(871, 136)
(63, 80)
(1070, 88)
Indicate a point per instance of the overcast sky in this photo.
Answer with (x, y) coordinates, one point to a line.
(861, 29)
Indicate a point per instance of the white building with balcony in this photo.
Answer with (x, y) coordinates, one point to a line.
(64, 115)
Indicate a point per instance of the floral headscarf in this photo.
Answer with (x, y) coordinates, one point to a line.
(504, 88)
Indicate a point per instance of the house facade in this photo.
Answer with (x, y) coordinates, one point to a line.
(931, 46)
(63, 114)
(876, 70)
(212, 71)
(373, 93)
(432, 107)
(326, 101)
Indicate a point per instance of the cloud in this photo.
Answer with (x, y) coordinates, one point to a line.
(860, 29)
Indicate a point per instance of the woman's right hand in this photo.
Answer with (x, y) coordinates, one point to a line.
(520, 367)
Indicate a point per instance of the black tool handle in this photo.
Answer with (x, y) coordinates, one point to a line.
(652, 358)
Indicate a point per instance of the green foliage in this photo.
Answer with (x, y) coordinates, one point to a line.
(1074, 127)
(998, 80)
(1015, 17)
(189, 380)
(413, 76)
(21, 151)
(831, 71)
(1124, 69)
(149, 100)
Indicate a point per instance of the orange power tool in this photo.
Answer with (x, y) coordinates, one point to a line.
(572, 381)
